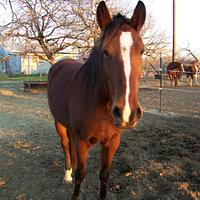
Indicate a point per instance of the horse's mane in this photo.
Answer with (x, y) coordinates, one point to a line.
(93, 68)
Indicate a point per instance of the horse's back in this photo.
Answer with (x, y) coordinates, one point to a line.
(60, 81)
(62, 69)
(175, 69)
(175, 65)
(191, 70)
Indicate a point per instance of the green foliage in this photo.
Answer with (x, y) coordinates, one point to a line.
(32, 77)
(3, 77)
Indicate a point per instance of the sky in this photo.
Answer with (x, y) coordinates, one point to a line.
(187, 20)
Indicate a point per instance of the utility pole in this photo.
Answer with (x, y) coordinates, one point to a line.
(174, 32)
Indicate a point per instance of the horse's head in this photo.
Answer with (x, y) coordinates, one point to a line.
(122, 49)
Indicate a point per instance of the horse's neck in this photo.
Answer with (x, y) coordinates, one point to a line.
(96, 93)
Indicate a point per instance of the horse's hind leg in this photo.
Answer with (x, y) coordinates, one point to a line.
(176, 80)
(190, 81)
(107, 153)
(66, 148)
(171, 79)
(196, 79)
(82, 149)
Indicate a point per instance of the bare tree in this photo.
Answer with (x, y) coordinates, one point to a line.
(190, 53)
(85, 25)
(42, 25)
(3, 58)
(155, 41)
(2, 3)
(52, 26)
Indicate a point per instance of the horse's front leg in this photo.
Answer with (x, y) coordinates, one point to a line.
(80, 172)
(107, 153)
(196, 78)
(190, 81)
(66, 148)
(176, 80)
(171, 80)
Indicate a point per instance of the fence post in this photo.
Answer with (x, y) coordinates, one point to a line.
(160, 88)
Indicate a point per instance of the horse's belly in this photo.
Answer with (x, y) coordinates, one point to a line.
(60, 86)
(59, 109)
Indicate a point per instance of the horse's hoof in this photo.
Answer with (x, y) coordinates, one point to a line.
(75, 198)
(67, 182)
(102, 198)
(102, 195)
(68, 177)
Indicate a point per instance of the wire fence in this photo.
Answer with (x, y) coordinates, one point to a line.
(161, 96)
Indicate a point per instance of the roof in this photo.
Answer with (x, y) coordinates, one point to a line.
(3, 52)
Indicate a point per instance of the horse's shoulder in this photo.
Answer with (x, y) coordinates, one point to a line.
(63, 67)
(175, 65)
(66, 64)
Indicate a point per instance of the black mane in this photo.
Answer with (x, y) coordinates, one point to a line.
(93, 68)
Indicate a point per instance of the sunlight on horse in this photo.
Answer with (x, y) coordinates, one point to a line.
(192, 73)
(94, 102)
(175, 71)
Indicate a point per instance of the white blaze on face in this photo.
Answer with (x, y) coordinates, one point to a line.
(126, 43)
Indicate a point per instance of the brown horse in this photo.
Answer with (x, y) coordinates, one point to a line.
(175, 71)
(94, 102)
(192, 72)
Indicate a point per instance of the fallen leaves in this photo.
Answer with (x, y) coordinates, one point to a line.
(185, 186)
(2, 183)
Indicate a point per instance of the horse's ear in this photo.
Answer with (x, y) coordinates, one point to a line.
(139, 16)
(103, 15)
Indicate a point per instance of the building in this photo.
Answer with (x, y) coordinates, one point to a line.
(20, 63)
(3, 59)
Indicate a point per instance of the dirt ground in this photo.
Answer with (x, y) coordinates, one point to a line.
(158, 160)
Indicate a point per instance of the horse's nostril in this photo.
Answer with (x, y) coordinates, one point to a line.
(136, 114)
(116, 112)
(139, 111)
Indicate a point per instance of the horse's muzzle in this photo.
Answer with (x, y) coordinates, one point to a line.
(133, 119)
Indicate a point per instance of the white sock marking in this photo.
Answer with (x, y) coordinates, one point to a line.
(68, 176)
(196, 75)
(126, 43)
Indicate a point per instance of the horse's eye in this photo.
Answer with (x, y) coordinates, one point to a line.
(106, 54)
(142, 51)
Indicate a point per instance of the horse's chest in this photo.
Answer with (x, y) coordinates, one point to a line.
(101, 130)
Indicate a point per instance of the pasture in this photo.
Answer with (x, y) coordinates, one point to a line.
(159, 159)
